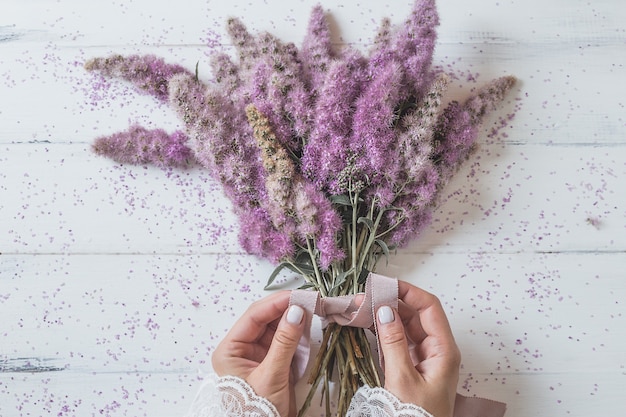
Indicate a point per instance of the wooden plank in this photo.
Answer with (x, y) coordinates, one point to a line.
(507, 198)
(522, 321)
(167, 395)
(46, 64)
(121, 312)
(117, 282)
(555, 22)
(46, 75)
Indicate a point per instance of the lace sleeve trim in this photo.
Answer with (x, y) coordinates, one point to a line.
(378, 402)
(229, 396)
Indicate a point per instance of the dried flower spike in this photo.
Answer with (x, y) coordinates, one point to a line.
(141, 146)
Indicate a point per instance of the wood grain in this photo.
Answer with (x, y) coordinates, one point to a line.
(117, 282)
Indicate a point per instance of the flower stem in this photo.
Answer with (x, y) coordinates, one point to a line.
(372, 238)
(355, 211)
(318, 276)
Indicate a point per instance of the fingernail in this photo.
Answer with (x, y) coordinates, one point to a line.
(295, 314)
(385, 315)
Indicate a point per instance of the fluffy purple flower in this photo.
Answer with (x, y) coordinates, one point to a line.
(147, 72)
(278, 91)
(373, 125)
(138, 145)
(294, 206)
(383, 38)
(417, 127)
(416, 42)
(458, 125)
(412, 45)
(488, 98)
(327, 151)
(319, 221)
(258, 237)
(226, 74)
(317, 52)
(413, 205)
(245, 44)
(221, 139)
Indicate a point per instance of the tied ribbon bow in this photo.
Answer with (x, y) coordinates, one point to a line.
(379, 291)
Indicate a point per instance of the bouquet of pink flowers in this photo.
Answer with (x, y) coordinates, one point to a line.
(331, 158)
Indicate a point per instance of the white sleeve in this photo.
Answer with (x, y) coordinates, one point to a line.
(378, 402)
(229, 396)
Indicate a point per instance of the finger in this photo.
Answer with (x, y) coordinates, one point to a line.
(432, 317)
(358, 300)
(286, 339)
(413, 330)
(428, 327)
(412, 323)
(252, 325)
(393, 341)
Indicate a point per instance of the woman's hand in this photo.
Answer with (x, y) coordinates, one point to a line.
(259, 349)
(419, 332)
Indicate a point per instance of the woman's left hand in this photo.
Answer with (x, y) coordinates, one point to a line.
(260, 347)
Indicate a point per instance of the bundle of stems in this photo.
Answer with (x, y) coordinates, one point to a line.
(346, 351)
(345, 356)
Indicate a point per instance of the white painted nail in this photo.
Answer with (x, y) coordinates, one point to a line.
(295, 314)
(385, 315)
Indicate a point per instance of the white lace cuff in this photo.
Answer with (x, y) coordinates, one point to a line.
(229, 396)
(378, 402)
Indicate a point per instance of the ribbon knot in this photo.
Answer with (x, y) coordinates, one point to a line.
(336, 309)
(343, 310)
(379, 291)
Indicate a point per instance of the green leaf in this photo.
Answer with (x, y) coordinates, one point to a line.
(301, 265)
(367, 221)
(383, 246)
(303, 258)
(341, 278)
(307, 285)
(363, 275)
(299, 268)
(275, 273)
(341, 199)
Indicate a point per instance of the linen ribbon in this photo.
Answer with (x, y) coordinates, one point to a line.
(379, 291)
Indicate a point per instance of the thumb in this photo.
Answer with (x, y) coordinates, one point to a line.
(286, 339)
(392, 339)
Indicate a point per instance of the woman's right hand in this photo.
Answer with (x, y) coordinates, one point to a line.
(260, 347)
(419, 330)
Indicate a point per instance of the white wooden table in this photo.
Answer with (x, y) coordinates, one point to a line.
(116, 282)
